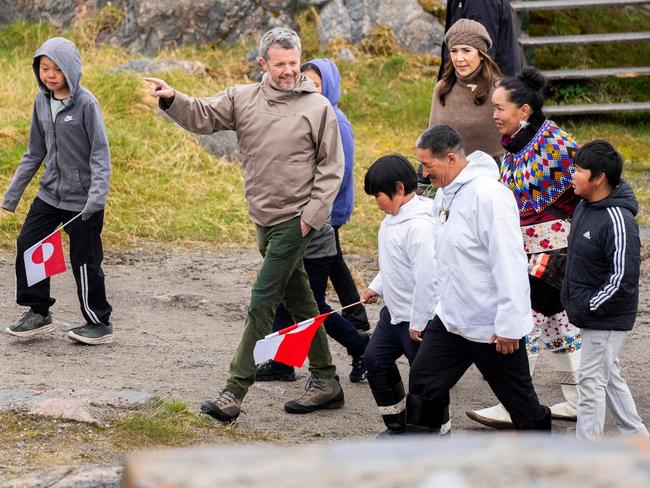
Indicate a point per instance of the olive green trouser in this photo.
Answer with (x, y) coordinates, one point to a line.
(282, 278)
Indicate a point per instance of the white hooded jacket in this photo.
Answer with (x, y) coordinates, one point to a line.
(481, 265)
(407, 278)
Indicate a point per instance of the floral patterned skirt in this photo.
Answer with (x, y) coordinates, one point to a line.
(552, 330)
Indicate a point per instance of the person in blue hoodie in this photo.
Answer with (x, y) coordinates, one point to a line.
(323, 259)
(68, 137)
(601, 287)
(326, 77)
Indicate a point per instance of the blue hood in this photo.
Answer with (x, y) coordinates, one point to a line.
(331, 83)
(331, 79)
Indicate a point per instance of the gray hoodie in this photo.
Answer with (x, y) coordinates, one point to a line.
(74, 148)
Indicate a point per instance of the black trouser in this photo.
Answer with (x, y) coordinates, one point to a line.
(442, 360)
(345, 288)
(336, 326)
(388, 343)
(86, 255)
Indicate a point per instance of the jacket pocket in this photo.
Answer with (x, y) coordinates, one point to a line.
(295, 180)
(49, 179)
(71, 187)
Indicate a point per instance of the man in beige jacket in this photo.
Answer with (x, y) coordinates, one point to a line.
(293, 165)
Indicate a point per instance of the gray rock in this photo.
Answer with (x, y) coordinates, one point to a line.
(353, 20)
(346, 54)
(81, 405)
(86, 476)
(151, 66)
(222, 144)
(151, 25)
(252, 55)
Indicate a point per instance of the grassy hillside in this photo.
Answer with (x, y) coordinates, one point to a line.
(165, 188)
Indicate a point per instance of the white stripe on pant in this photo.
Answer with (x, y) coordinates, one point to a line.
(84, 293)
(600, 385)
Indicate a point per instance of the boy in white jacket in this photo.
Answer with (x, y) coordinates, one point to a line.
(483, 310)
(406, 282)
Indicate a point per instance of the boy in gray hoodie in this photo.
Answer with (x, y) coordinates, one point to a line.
(69, 137)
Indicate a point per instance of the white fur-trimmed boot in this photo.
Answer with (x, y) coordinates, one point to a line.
(497, 416)
(567, 365)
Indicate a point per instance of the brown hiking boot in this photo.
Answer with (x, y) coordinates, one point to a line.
(320, 393)
(225, 407)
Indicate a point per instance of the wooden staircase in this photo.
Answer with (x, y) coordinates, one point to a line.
(522, 8)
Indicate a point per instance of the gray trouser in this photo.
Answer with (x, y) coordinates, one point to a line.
(600, 385)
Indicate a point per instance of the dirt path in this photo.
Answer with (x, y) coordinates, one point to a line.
(178, 317)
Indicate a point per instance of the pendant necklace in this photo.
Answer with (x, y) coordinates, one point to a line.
(443, 215)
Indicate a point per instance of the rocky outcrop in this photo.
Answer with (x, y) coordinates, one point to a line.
(353, 20)
(147, 26)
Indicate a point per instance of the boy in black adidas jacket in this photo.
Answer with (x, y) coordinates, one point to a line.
(601, 286)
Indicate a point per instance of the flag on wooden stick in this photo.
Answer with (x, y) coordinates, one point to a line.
(44, 259)
(289, 345)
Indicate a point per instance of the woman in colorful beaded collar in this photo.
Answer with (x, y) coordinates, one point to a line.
(537, 166)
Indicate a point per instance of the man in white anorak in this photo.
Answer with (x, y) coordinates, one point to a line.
(483, 310)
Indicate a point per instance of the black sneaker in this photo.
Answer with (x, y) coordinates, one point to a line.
(359, 371)
(275, 371)
(92, 334)
(31, 324)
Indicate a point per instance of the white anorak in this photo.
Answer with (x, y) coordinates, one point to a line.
(481, 264)
(407, 278)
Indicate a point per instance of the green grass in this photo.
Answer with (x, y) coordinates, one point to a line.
(601, 55)
(32, 442)
(167, 190)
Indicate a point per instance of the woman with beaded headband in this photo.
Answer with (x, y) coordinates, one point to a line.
(538, 166)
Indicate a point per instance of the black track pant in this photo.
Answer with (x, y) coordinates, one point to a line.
(86, 255)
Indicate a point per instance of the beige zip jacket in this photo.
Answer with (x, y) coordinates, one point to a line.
(289, 141)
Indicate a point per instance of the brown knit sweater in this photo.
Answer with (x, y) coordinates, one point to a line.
(473, 122)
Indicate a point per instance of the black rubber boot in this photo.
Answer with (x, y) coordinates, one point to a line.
(388, 390)
(424, 416)
(543, 424)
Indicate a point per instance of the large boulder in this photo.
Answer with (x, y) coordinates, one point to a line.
(353, 20)
(147, 26)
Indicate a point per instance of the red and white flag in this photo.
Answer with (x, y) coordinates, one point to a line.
(44, 259)
(289, 345)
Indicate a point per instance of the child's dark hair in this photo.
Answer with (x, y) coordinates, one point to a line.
(526, 88)
(384, 174)
(599, 156)
(310, 67)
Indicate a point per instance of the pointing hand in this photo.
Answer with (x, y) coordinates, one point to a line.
(160, 89)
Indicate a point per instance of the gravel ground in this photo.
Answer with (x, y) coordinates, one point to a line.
(177, 319)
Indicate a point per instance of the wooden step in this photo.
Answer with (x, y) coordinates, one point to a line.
(582, 74)
(565, 5)
(584, 39)
(596, 109)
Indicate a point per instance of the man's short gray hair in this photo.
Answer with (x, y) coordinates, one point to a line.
(440, 140)
(282, 36)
